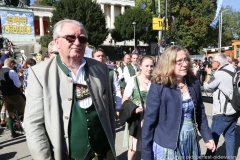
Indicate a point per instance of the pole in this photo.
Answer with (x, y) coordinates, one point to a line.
(220, 31)
(159, 32)
(134, 38)
(134, 24)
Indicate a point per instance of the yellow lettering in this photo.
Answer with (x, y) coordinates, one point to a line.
(24, 20)
(17, 19)
(10, 29)
(6, 28)
(15, 29)
(28, 30)
(18, 29)
(10, 19)
(21, 30)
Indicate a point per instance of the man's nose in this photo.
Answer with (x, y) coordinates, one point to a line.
(76, 42)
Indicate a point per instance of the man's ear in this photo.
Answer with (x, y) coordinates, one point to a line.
(56, 42)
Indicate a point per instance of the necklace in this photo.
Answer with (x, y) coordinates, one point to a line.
(145, 82)
(181, 87)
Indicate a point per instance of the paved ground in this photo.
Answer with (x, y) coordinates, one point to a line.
(16, 149)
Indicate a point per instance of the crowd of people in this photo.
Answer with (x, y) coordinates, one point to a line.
(72, 102)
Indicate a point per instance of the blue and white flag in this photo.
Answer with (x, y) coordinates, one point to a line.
(218, 12)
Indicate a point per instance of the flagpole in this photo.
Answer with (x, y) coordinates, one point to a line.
(220, 30)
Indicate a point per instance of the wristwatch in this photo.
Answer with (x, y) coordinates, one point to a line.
(209, 74)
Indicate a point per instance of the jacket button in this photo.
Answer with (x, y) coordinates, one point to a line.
(69, 99)
(65, 136)
(70, 80)
(66, 117)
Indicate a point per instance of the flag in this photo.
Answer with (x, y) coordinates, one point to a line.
(218, 12)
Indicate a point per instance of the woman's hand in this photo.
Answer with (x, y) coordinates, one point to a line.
(139, 110)
(210, 145)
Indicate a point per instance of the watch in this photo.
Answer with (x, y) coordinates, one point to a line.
(209, 74)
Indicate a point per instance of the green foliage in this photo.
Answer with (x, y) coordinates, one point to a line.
(124, 29)
(230, 25)
(148, 6)
(193, 20)
(45, 40)
(85, 11)
(45, 2)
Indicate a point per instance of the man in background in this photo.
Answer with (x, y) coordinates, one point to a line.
(126, 60)
(10, 86)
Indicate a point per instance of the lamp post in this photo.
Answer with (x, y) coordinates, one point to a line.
(134, 24)
(220, 31)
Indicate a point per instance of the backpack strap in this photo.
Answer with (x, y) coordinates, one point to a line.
(226, 97)
(229, 72)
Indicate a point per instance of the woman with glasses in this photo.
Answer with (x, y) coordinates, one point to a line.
(174, 111)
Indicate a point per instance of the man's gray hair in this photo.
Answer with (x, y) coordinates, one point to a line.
(221, 58)
(58, 27)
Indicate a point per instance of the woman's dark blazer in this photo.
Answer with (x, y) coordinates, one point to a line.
(163, 113)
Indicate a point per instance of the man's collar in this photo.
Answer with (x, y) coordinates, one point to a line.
(133, 65)
(64, 68)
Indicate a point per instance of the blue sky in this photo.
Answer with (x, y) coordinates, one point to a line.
(31, 1)
(235, 4)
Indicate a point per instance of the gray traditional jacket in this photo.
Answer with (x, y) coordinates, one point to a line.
(48, 107)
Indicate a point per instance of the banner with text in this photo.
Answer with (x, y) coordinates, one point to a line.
(17, 23)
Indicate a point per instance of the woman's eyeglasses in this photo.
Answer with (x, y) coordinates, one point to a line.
(72, 38)
(180, 62)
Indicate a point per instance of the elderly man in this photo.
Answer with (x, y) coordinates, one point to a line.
(69, 111)
(10, 87)
(224, 117)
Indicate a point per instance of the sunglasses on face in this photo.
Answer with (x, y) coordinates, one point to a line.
(72, 38)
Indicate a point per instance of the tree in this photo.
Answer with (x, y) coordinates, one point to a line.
(230, 26)
(85, 11)
(193, 18)
(124, 29)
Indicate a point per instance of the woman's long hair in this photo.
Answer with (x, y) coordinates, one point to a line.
(164, 72)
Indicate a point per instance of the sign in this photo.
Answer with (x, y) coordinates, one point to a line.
(158, 24)
(17, 23)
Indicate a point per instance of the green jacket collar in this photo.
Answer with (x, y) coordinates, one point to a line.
(66, 70)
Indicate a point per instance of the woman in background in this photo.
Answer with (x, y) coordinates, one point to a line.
(134, 143)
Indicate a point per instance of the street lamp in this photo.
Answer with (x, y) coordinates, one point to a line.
(220, 31)
(134, 24)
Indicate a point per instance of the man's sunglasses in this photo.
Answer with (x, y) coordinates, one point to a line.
(72, 38)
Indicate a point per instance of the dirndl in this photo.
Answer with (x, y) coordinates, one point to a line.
(187, 145)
